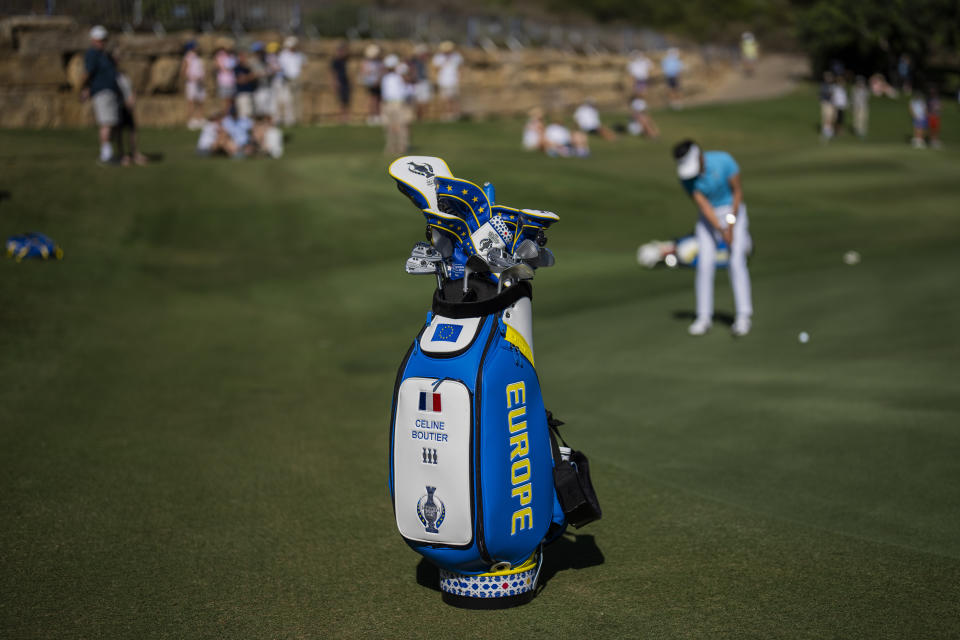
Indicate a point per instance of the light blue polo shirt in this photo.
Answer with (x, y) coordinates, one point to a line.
(714, 181)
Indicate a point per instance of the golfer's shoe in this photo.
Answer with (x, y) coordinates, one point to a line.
(699, 327)
(741, 326)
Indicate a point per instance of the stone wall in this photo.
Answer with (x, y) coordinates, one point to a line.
(41, 68)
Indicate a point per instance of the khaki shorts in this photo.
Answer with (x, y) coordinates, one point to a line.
(106, 108)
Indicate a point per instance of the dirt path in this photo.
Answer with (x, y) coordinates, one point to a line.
(775, 75)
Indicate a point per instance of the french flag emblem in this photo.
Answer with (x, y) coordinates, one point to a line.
(429, 401)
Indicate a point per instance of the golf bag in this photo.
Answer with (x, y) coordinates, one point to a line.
(478, 480)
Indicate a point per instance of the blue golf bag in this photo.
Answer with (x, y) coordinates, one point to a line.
(478, 480)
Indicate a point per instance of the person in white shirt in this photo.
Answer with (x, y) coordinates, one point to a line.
(192, 71)
(639, 69)
(588, 120)
(641, 123)
(559, 141)
(447, 62)
(533, 131)
(840, 101)
(287, 89)
(394, 111)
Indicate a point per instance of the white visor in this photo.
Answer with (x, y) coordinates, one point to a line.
(688, 167)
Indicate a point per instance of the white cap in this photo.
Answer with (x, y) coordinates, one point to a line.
(290, 42)
(390, 61)
(688, 167)
(99, 32)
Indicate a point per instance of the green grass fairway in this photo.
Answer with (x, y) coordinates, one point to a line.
(194, 403)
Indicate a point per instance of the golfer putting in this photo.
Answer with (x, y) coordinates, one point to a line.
(712, 180)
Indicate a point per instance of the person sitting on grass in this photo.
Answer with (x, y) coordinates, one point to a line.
(558, 141)
(533, 131)
(588, 120)
(640, 121)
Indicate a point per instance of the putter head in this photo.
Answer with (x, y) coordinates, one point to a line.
(420, 267)
(424, 251)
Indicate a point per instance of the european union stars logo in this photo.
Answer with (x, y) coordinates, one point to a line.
(446, 333)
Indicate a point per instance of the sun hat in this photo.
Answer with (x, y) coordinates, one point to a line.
(290, 42)
(390, 61)
(98, 32)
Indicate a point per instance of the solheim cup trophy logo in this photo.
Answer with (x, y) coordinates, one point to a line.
(431, 511)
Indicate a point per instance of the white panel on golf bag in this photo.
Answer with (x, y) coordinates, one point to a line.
(431, 458)
(519, 317)
(448, 335)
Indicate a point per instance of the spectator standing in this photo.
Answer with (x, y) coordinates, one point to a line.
(340, 79)
(262, 95)
(672, 66)
(291, 63)
(827, 111)
(100, 87)
(371, 73)
(226, 78)
(127, 122)
(639, 68)
(274, 75)
(193, 73)
(918, 117)
(749, 52)
(840, 100)
(933, 117)
(246, 82)
(588, 120)
(420, 75)
(904, 74)
(395, 112)
(447, 62)
(861, 107)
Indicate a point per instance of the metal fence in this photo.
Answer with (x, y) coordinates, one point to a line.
(341, 18)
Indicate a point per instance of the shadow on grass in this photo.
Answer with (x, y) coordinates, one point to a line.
(569, 551)
(720, 317)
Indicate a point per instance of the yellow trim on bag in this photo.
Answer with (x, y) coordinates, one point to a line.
(513, 337)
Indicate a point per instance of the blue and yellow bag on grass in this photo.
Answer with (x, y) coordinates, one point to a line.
(478, 480)
(33, 245)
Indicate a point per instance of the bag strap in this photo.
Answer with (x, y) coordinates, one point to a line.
(553, 423)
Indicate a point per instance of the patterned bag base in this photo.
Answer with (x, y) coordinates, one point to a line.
(494, 590)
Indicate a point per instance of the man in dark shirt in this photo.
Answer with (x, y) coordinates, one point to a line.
(246, 86)
(338, 69)
(100, 86)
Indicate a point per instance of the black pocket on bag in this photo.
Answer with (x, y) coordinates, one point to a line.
(575, 490)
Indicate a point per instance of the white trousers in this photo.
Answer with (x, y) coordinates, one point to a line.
(707, 238)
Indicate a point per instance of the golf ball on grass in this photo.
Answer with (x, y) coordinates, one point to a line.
(804, 337)
(851, 258)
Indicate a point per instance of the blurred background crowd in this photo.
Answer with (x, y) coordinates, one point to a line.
(241, 71)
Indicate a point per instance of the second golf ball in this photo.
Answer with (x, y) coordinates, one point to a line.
(804, 337)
